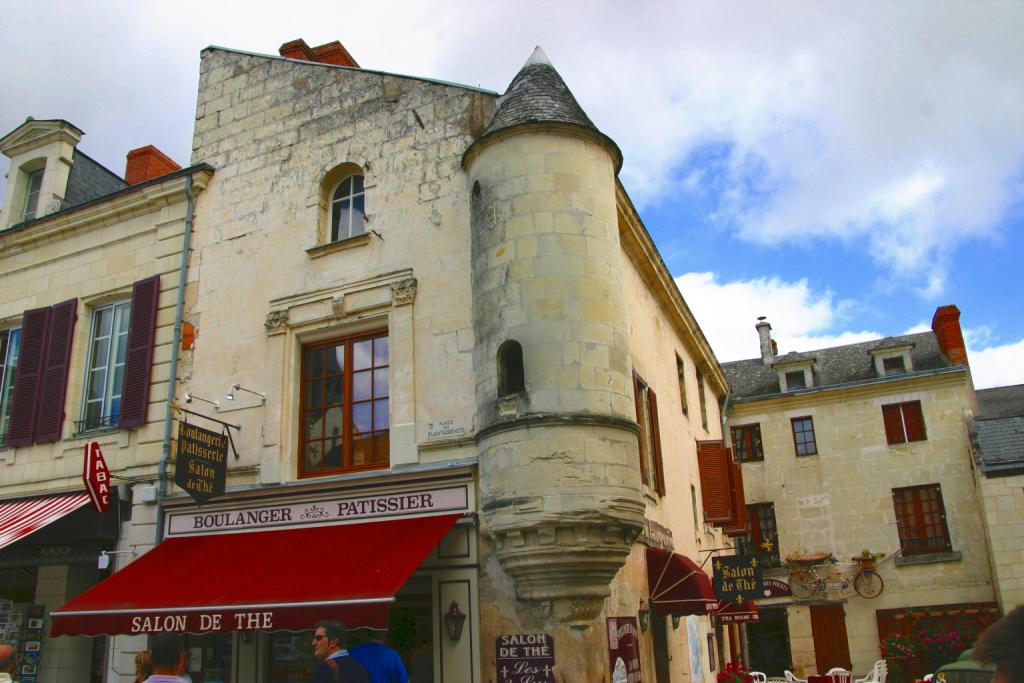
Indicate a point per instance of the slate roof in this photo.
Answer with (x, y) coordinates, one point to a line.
(999, 429)
(833, 366)
(89, 180)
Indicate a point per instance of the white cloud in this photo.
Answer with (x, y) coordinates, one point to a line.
(997, 366)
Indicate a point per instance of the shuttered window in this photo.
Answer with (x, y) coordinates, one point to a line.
(35, 332)
(652, 471)
(761, 536)
(716, 491)
(138, 360)
(10, 342)
(54, 379)
(904, 422)
(921, 519)
(104, 378)
(746, 441)
(737, 499)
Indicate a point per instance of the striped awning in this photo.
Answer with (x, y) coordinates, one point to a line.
(20, 517)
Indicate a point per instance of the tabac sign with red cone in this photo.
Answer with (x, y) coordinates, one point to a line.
(96, 476)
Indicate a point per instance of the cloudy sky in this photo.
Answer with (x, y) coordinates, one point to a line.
(842, 168)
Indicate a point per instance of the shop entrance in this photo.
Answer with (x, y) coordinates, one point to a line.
(769, 642)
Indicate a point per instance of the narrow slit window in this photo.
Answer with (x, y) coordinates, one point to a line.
(511, 375)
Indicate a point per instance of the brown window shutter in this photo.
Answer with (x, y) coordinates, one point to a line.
(35, 331)
(739, 502)
(893, 420)
(713, 463)
(914, 421)
(656, 438)
(638, 403)
(54, 384)
(139, 357)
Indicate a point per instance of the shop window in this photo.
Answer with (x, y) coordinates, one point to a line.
(651, 469)
(348, 209)
(803, 436)
(345, 405)
(9, 344)
(921, 520)
(104, 376)
(746, 442)
(904, 422)
(511, 378)
(703, 399)
(681, 376)
(762, 536)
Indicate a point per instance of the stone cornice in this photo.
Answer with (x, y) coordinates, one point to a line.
(638, 245)
(569, 419)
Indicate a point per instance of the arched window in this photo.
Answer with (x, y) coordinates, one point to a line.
(510, 368)
(347, 209)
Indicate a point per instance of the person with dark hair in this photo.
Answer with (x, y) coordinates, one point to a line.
(382, 663)
(336, 666)
(166, 649)
(143, 666)
(1002, 644)
(8, 663)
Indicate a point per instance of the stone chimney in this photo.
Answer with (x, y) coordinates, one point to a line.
(946, 326)
(768, 348)
(146, 163)
(328, 53)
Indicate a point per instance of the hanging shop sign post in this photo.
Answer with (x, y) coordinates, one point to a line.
(525, 658)
(624, 650)
(96, 476)
(201, 466)
(738, 578)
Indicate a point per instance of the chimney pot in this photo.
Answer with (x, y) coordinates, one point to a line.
(146, 163)
(328, 53)
(946, 326)
(764, 332)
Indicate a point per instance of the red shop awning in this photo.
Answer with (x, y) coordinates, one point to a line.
(730, 612)
(19, 518)
(267, 580)
(678, 585)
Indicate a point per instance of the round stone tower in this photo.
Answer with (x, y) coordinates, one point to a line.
(556, 432)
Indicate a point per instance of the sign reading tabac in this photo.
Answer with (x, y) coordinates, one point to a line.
(96, 476)
(738, 579)
(525, 658)
(201, 467)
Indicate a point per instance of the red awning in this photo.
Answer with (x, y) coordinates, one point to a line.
(19, 518)
(730, 612)
(678, 585)
(263, 580)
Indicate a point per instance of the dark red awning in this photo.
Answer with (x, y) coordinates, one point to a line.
(730, 612)
(678, 585)
(267, 580)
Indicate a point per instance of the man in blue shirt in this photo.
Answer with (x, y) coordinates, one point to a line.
(336, 666)
(383, 664)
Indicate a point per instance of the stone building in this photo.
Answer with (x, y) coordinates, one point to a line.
(90, 266)
(856, 448)
(463, 394)
(999, 458)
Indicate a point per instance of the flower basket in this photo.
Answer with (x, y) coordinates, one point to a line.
(802, 558)
(867, 559)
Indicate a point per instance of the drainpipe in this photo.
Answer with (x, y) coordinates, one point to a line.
(175, 349)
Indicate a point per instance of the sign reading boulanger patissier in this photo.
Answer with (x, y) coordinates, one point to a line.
(201, 464)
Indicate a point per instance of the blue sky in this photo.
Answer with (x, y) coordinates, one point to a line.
(841, 168)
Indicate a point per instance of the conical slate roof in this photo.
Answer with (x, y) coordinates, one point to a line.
(537, 95)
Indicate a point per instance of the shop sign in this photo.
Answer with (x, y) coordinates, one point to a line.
(330, 511)
(525, 658)
(96, 476)
(738, 578)
(775, 588)
(730, 617)
(201, 467)
(624, 650)
(656, 536)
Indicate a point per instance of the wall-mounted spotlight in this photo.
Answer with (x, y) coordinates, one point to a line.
(239, 387)
(189, 397)
(104, 558)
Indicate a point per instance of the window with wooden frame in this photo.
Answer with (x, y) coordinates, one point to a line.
(681, 375)
(746, 443)
(345, 405)
(803, 436)
(10, 342)
(703, 399)
(33, 184)
(348, 209)
(921, 520)
(762, 535)
(904, 422)
(104, 376)
(652, 471)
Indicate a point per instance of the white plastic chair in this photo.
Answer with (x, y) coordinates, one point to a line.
(840, 675)
(791, 677)
(878, 673)
(758, 677)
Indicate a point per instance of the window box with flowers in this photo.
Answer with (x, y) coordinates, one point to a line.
(734, 672)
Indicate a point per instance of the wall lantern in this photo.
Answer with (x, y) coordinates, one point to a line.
(454, 620)
(645, 618)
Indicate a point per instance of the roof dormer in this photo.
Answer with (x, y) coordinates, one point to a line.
(892, 359)
(41, 154)
(796, 371)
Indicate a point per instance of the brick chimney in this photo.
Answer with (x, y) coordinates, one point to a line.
(146, 163)
(946, 326)
(328, 53)
(768, 347)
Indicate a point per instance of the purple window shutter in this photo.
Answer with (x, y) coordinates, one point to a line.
(35, 331)
(54, 384)
(139, 357)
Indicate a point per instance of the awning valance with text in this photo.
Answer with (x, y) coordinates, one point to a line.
(678, 585)
(730, 612)
(20, 517)
(262, 580)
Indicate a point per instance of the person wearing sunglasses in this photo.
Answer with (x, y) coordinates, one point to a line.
(336, 665)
